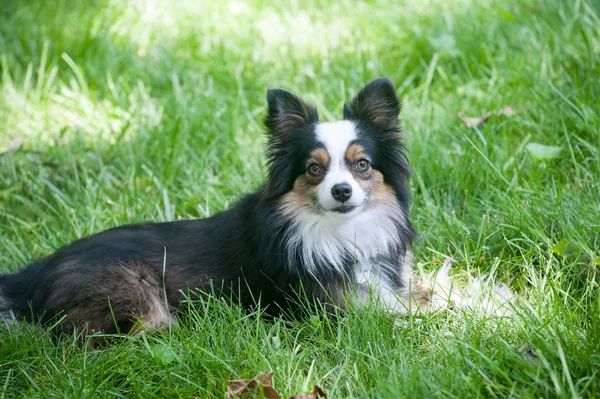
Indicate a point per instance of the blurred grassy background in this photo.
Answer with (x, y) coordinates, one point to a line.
(151, 110)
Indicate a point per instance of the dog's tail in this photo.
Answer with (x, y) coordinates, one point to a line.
(482, 295)
(16, 293)
(6, 312)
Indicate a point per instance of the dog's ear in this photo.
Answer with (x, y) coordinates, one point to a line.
(286, 113)
(376, 102)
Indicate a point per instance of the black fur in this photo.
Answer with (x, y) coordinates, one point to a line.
(375, 110)
(102, 282)
(290, 123)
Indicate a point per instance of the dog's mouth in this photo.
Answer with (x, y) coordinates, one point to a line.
(344, 209)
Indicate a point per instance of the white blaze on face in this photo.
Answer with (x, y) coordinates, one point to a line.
(336, 137)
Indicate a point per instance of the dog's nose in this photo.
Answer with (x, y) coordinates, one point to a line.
(341, 192)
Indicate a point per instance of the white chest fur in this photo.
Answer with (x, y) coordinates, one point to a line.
(325, 240)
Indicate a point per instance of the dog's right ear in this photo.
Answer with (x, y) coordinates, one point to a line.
(286, 113)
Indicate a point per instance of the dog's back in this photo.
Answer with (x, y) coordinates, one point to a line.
(110, 281)
(101, 282)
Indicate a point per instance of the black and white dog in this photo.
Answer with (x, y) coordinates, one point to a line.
(331, 220)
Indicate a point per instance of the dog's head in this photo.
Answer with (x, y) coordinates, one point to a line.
(336, 169)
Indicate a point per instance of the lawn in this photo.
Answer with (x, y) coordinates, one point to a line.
(114, 112)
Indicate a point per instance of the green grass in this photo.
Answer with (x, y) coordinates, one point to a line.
(133, 111)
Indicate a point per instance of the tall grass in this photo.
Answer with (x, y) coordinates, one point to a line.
(133, 111)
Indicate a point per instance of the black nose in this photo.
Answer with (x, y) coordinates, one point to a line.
(342, 192)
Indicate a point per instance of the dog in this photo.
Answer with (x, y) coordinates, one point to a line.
(330, 223)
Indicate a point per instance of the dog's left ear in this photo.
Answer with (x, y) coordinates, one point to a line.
(376, 102)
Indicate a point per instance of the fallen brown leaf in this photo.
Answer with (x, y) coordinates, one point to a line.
(13, 146)
(508, 111)
(238, 389)
(475, 121)
(527, 351)
(315, 393)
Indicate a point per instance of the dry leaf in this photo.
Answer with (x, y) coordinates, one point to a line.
(238, 389)
(474, 121)
(527, 351)
(469, 122)
(13, 146)
(508, 111)
(315, 393)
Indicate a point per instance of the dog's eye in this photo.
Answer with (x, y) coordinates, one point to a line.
(362, 165)
(315, 169)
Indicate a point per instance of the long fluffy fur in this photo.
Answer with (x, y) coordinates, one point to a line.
(484, 296)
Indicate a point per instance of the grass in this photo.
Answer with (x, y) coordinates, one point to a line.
(133, 111)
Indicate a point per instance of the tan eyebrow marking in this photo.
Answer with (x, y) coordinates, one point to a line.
(356, 152)
(320, 156)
